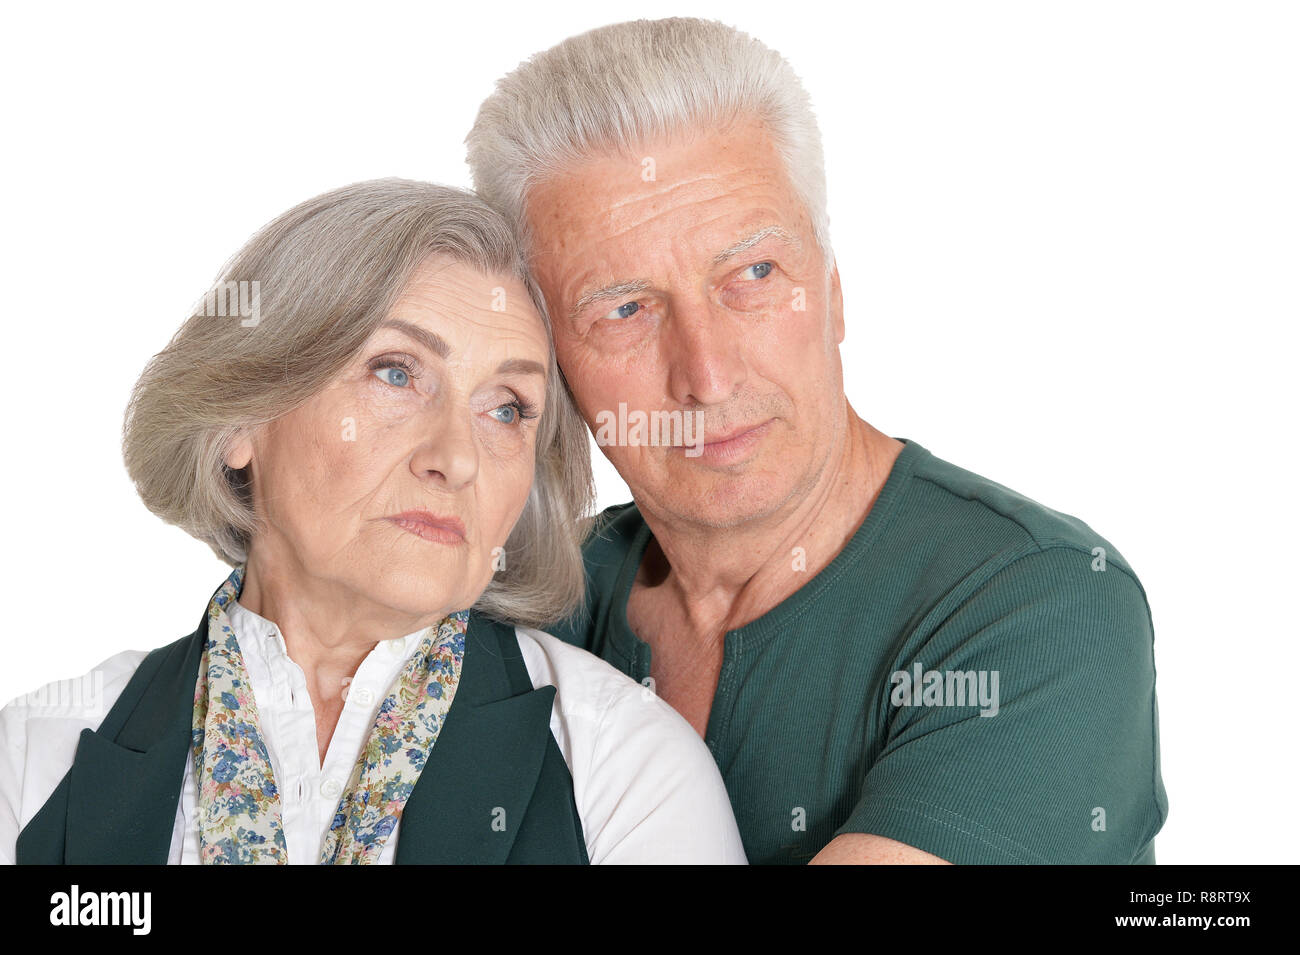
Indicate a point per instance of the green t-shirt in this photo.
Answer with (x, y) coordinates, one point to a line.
(983, 601)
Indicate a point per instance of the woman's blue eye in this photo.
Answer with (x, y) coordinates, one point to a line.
(626, 310)
(394, 376)
(515, 412)
(762, 268)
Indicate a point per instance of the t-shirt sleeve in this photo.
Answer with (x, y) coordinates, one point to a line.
(1057, 758)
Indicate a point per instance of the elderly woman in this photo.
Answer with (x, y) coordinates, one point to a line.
(379, 442)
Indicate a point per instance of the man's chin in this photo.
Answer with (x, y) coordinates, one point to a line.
(731, 502)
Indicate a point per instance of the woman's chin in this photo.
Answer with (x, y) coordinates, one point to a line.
(421, 588)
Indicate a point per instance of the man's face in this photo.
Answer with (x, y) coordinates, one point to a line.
(661, 304)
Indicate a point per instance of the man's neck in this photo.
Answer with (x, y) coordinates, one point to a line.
(720, 579)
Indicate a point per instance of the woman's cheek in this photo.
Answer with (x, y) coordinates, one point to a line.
(388, 406)
(506, 485)
(506, 448)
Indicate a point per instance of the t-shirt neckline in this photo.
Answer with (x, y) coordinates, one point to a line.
(632, 647)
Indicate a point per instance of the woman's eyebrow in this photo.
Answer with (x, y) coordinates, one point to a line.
(430, 340)
(438, 345)
(522, 366)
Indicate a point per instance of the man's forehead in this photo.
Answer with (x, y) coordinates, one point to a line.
(570, 239)
(714, 242)
(617, 187)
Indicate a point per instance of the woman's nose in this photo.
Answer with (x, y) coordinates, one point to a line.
(447, 452)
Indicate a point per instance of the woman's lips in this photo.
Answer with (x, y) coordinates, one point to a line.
(430, 526)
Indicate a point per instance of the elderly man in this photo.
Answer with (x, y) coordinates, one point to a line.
(891, 659)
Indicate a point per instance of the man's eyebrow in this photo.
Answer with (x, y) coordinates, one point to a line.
(438, 345)
(751, 240)
(634, 288)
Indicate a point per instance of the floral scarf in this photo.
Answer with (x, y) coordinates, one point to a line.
(238, 802)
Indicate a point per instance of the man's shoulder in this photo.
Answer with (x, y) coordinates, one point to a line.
(962, 510)
(610, 536)
(1028, 581)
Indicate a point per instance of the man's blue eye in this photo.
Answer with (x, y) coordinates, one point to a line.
(626, 310)
(762, 268)
(394, 376)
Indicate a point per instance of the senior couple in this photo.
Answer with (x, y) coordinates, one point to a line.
(803, 640)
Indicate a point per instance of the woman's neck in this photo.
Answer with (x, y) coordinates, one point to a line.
(328, 630)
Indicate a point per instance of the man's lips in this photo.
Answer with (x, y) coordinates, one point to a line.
(734, 446)
(430, 526)
(731, 435)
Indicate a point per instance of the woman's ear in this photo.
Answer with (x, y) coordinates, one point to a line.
(239, 451)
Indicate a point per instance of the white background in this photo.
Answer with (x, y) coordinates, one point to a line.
(1070, 230)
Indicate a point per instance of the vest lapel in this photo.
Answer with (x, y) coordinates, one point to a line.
(467, 805)
(122, 802)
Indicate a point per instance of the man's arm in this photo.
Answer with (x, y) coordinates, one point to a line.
(856, 848)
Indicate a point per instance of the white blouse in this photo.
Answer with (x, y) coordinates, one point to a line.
(646, 787)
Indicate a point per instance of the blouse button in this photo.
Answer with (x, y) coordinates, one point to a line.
(365, 696)
(331, 788)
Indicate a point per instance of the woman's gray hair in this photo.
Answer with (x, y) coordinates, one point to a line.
(327, 273)
(618, 86)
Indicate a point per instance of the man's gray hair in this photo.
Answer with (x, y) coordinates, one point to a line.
(617, 86)
(328, 272)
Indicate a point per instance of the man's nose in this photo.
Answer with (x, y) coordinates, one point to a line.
(705, 354)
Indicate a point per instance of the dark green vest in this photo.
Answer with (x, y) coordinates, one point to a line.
(495, 761)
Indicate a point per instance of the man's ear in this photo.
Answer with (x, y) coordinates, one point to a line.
(239, 451)
(837, 305)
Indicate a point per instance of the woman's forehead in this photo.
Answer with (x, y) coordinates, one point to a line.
(449, 307)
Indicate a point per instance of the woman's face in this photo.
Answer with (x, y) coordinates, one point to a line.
(436, 419)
